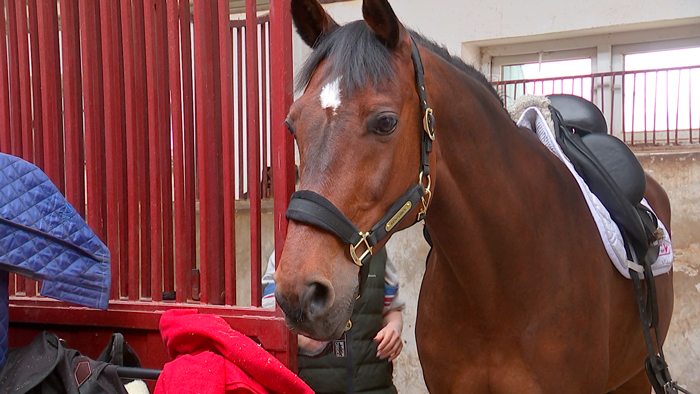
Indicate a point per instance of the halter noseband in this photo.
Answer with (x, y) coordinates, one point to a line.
(314, 209)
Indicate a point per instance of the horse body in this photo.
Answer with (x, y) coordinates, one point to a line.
(528, 298)
(519, 294)
(510, 259)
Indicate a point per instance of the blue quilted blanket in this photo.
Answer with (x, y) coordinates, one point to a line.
(43, 237)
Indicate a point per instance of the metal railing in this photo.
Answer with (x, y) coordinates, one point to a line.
(646, 107)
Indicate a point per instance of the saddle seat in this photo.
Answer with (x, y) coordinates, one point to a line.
(585, 120)
(608, 166)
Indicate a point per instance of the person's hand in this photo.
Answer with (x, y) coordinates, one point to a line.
(389, 337)
(310, 347)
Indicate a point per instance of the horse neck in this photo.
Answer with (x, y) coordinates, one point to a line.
(490, 183)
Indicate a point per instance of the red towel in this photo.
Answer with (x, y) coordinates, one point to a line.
(209, 357)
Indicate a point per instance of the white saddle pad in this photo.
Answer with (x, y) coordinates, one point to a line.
(533, 119)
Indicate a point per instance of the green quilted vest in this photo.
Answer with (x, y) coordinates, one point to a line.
(360, 371)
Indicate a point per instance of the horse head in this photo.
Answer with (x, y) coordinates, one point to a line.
(358, 126)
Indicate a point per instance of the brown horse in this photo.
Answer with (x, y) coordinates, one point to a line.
(519, 295)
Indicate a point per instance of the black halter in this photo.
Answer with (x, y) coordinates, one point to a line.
(314, 209)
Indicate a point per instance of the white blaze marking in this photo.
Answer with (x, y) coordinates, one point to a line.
(330, 95)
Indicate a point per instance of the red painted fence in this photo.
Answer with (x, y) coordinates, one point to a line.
(154, 118)
(647, 107)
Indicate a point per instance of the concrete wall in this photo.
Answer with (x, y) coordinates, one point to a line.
(465, 27)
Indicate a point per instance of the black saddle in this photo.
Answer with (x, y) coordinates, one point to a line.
(584, 119)
(579, 114)
(608, 166)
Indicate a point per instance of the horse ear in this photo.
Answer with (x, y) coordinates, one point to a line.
(311, 20)
(382, 20)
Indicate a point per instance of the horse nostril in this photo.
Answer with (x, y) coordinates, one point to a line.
(317, 299)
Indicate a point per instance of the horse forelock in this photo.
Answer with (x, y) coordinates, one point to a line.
(355, 54)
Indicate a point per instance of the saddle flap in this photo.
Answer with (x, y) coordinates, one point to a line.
(620, 162)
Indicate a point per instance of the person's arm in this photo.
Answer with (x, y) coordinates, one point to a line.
(389, 337)
(268, 283)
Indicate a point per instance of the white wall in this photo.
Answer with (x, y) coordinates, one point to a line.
(456, 22)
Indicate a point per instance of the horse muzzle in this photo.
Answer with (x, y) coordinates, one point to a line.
(316, 313)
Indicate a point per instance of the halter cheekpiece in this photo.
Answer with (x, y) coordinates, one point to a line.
(312, 208)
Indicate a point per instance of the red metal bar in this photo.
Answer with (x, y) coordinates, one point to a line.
(52, 117)
(36, 86)
(12, 278)
(281, 92)
(15, 95)
(113, 151)
(5, 118)
(690, 107)
(644, 101)
(73, 105)
(93, 117)
(132, 133)
(154, 144)
(644, 108)
(30, 287)
(263, 324)
(165, 146)
(240, 134)
(634, 94)
(253, 114)
(612, 106)
(189, 140)
(209, 152)
(622, 98)
(229, 159)
(182, 268)
(25, 103)
(142, 122)
(668, 123)
(121, 135)
(264, 104)
(656, 90)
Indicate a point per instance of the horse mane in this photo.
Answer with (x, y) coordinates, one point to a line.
(359, 57)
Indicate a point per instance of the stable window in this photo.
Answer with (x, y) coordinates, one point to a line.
(646, 82)
(544, 73)
(661, 92)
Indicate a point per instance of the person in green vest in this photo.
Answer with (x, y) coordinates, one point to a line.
(360, 361)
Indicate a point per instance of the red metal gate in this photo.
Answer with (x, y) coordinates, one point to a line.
(155, 118)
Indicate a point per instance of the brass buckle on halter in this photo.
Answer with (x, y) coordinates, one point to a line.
(429, 123)
(425, 200)
(353, 254)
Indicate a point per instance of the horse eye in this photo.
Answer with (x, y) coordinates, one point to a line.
(290, 127)
(385, 124)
